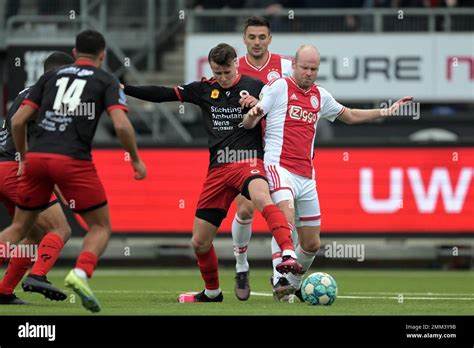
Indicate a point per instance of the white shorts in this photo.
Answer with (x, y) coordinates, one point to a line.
(285, 185)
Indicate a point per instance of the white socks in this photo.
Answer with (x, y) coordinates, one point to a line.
(305, 259)
(241, 233)
(80, 273)
(212, 293)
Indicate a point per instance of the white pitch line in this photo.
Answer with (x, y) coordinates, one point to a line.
(264, 294)
(411, 293)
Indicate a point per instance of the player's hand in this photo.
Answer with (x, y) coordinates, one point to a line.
(122, 86)
(248, 101)
(400, 102)
(140, 170)
(256, 111)
(21, 168)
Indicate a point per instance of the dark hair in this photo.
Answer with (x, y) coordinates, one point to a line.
(90, 42)
(222, 54)
(57, 59)
(257, 22)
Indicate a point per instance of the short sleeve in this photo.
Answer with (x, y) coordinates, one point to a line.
(286, 67)
(271, 95)
(34, 94)
(330, 108)
(115, 96)
(190, 93)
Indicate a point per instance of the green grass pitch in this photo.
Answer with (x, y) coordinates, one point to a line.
(361, 292)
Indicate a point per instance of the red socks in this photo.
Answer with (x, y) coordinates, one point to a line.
(87, 261)
(3, 252)
(48, 252)
(278, 225)
(207, 263)
(15, 271)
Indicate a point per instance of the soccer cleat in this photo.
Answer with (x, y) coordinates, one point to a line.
(11, 299)
(242, 287)
(198, 297)
(81, 287)
(289, 265)
(41, 285)
(282, 290)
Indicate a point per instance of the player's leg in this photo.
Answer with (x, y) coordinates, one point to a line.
(94, 244)
(308, 223)
(259, 192)
(212, 207)
(241, 233)
(19, 263)
(15, 271)
(22, 224)
(31, 193)
(203, 235)
(52, 226)
(310, 243)
(79, 183)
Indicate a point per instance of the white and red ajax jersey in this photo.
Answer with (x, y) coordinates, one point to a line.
(274, 68)
(292, 117)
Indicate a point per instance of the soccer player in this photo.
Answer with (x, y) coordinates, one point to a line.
(261, 64)
(293, 107)
(228, 175)
(68, 103)
(50, 219)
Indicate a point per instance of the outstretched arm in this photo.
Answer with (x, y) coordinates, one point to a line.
(351, 116)
(155, 94)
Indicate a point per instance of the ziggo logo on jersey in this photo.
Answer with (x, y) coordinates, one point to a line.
(298, 113)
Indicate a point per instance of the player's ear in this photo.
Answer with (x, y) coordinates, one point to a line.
(270, 38)
(236, 62)
(74, 53)
(102, 56)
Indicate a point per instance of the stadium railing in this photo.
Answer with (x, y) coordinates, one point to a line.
(334, 20)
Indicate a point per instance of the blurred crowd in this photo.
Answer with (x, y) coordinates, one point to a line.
(272, 5)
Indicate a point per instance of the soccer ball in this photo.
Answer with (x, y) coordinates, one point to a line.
(319, 289)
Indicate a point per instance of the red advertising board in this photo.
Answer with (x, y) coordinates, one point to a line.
(369, 190)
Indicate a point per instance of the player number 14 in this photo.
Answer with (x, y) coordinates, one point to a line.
(70, 96)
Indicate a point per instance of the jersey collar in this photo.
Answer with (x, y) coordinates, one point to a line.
(263, 66)
(236, 80)
(304, 91)
(83, 62)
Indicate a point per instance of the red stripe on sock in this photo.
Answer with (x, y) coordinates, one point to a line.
(87, 261)
(240, 250)
(207, 263)
(48, 252)
(278, 225)
(276, 255)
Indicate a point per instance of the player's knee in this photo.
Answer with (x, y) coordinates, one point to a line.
(261, 199)
(17, 232)
(311, 245)
(245, 212)
(200, 245)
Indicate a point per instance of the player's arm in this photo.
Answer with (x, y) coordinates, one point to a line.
(268, 99)
(19, 128)
(155, 94)
(253, 117)
(352, 116)
(126, 135)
